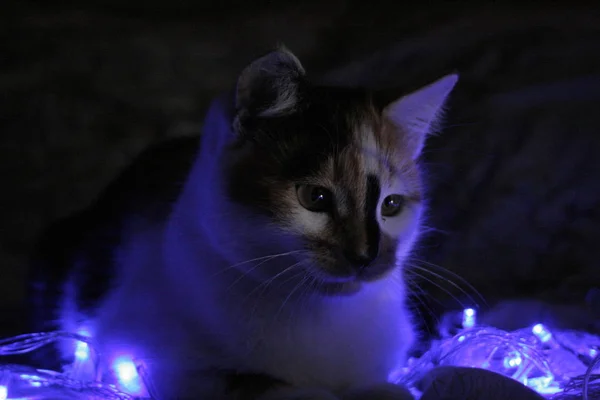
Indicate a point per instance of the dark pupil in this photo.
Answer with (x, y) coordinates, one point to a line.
(317, 195)
(391, 202)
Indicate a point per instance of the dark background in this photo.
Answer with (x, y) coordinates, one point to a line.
(514, 175)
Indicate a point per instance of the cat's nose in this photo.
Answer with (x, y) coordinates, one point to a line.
(360, 259)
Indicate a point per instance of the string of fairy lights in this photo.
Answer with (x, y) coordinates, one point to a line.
(560, 365)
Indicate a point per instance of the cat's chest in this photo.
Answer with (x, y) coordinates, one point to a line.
(347, 342)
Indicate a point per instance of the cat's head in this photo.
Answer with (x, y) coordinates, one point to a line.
(333, 168)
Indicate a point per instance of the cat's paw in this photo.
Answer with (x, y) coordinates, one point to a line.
(382, 391)
(295, 393)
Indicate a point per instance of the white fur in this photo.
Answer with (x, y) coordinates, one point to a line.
(305, 221)
(347, 341)
(370, 151)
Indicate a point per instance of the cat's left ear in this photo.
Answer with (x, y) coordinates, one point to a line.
(270, 85)
(416, 113)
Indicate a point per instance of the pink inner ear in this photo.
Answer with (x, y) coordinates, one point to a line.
(416, 113)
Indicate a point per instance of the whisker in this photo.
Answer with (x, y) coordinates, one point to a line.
(302, 301)
(438, 285)
(299, 272)
(420, 296)
(245, 273)
(266, 283)
(310, 287)
(420, 314)
(263, 259)
(414, 289)
(299, 285)
(430, 229)
(455, 276)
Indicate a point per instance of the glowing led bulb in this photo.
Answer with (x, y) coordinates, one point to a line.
(513, 360)
(543, 385)
(542, 333)
(83, 366)
(125, 369)
(469, 318)
(127, 375)
(3, 392)
(82, 349)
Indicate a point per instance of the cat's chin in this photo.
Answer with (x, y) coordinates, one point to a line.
(347, 280)
(340, 288)
(348, 285)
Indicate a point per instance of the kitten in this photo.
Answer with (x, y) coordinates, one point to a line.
(271, 252)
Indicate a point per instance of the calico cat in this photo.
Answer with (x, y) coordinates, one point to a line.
(264, 262)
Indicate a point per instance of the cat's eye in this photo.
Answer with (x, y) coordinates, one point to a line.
(392, 205)
(314, 198)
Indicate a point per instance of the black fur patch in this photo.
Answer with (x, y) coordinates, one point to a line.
(371, 209)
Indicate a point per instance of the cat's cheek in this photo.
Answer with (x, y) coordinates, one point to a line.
(404, 230)
(308, 223)
(403, 224)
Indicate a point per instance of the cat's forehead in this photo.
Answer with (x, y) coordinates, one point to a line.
(336, 138)
(366, 150)
(362, 143)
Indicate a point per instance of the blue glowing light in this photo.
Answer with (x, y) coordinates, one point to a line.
(125, 369)
(83, 367)
(540, 364)
(34, 380)
(469, 318)
(127, 375)
(82, 349)
(513, 360)
(543, 385)
(542, 333)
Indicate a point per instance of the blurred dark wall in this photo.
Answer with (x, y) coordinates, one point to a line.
(514, 176)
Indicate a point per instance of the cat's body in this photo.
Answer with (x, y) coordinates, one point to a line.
(277, 253)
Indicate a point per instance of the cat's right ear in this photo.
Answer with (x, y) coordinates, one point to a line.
(270, 86)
